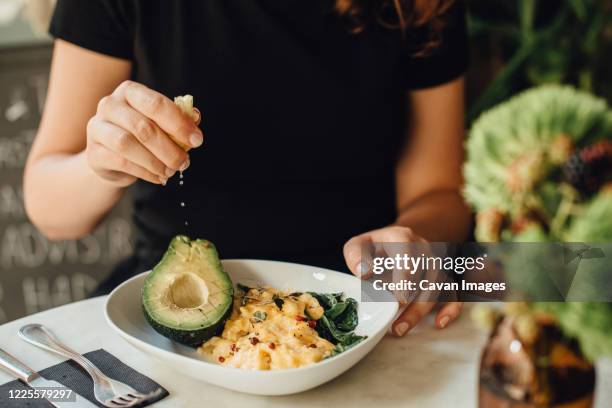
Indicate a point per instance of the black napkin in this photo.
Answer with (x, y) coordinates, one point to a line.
(74, 377)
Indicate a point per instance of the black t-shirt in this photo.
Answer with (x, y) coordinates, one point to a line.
(303, 120)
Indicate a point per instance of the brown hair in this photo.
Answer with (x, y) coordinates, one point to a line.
(424, 15)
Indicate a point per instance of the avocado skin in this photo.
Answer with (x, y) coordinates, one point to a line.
(192, 338)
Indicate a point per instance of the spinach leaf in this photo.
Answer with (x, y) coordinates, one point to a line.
(243, 288)
(328, 330)
(260, 316)
(341, 347)
(338, 322)
(348, 320)
(327, 300)
(336, 310)
(337, 350)
(278, 302)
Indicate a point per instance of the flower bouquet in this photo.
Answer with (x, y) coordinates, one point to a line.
(539, 170)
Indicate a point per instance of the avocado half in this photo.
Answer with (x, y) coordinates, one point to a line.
(188, 296)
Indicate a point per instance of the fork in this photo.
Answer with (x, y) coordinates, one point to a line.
(108, 392)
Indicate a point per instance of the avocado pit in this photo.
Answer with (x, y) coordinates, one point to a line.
(188, 291)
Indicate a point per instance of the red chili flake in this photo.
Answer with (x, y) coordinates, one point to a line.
(221, 359)
(313, 346)
(312, 324)
(254, 340)
(272, 346)
(233, 347)
(300, 318)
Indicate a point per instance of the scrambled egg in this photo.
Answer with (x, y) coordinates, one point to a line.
(270, 330)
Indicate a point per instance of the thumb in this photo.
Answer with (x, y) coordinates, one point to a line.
(353, 255)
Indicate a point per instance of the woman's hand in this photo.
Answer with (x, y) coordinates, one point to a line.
(128, 138)
(414, 311)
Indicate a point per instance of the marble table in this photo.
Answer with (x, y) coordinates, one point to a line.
(427, 368)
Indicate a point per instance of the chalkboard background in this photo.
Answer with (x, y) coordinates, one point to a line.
(35, 273)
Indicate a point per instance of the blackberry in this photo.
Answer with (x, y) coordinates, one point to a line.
(589, 168)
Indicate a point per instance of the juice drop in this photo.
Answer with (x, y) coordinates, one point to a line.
(181, 182)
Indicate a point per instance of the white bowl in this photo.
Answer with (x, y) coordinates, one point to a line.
(124, 314)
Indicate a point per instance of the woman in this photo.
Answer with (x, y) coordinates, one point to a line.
(328, 124)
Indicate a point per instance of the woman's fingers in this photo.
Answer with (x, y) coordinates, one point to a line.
(415, 312)
(448, 313)
(355, 246)
(162, 111)
(145, 133)
(115, 168)
(142, 133)
(126, 145)
(411, 317)
(389, 237)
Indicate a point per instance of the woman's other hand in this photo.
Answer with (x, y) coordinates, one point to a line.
(128, 137)
(411, 313)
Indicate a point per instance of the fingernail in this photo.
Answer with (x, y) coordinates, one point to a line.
(361, 269)
(163, 181)
(185, 165)
(196, 139)
(402, 328)
(169, 172)
(444, 321)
